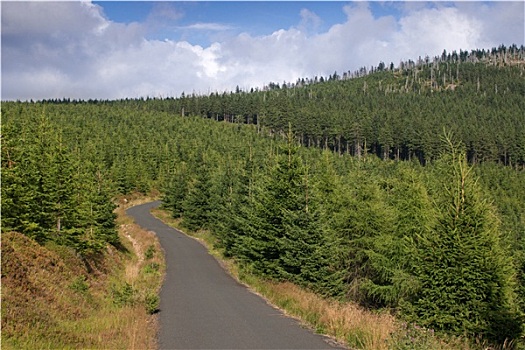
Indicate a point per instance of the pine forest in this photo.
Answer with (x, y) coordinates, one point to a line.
(398, 187)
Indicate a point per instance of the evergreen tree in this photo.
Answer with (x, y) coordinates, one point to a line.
(283, 235)
(57, 193)
(364, 219)
(19, 183)
(466, 278)
(236, 211)
(390, 253)
(196, 205)
(176, 191)
(95, 217)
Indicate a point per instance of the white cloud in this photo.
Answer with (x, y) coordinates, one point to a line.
(310, 21)
(207, 26)
(429, 31)
(70, 49)
(500, 22)
(164, 12)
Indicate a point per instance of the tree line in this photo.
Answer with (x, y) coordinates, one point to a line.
(393, 113)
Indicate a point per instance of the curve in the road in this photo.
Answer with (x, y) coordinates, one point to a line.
(202, 307)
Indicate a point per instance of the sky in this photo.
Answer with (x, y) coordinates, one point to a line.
(113, 50)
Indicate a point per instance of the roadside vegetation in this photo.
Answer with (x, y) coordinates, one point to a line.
(53, 298)
(347, 322)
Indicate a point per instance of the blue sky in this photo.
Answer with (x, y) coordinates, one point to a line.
(253, 17)
(118, 49)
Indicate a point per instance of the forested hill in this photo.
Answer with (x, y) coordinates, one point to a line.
(393, 113)
(439, 241)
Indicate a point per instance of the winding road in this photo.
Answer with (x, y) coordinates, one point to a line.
(203, 307)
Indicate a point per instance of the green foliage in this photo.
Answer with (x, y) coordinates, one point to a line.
(466, 278)
(152, 302)
(123, 294)
(80, 285)
(196, 205)
(433, 239)
(176, 191)
(413, 337)
(149, 253)
(47, 193)
(389, 279)
(152, 268)
(505, 187)
(279, 233)
(392, 113)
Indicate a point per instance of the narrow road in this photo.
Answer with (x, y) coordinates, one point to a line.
(202, 307)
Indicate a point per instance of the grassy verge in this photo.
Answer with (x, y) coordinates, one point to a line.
(54, 299)
(346, 322)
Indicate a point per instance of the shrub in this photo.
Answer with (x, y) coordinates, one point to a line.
(152, 302)
(123, 294)
(79, 284)
(151, 268)
(150, 252)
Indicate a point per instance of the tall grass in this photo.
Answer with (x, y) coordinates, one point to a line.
(346, 322)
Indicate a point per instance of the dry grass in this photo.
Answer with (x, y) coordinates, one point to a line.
(53, 299)
(346, 322)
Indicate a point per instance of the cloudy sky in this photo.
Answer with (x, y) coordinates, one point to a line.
(111, 50)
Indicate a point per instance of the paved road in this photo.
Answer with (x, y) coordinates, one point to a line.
(202, 307)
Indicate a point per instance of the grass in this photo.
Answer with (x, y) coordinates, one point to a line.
(54, 299)
(346, 322)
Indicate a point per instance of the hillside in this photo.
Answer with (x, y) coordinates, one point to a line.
(438, 239)
(395, 113)
(54, 298)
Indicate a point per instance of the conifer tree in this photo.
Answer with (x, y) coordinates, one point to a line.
(283, 236)
(390, 253)
(19, 182)
(176, 190)
(57, 193)
(196, 205)
(364, 219)
(236, 211)
(94, 217)
(466, 278)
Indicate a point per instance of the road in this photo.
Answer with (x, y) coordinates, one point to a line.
(203, 307)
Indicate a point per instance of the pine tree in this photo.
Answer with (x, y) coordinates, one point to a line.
(465, 276)
(57, 193)
(19, 183)
(196, 205)
(176, 190)
(390, 253)
(95, 217)
(283, 235)
(236, 210)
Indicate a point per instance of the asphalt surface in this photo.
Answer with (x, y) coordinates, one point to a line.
(203, 307)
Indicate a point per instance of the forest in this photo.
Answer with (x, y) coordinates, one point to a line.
(398, 188)
(393, 113)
